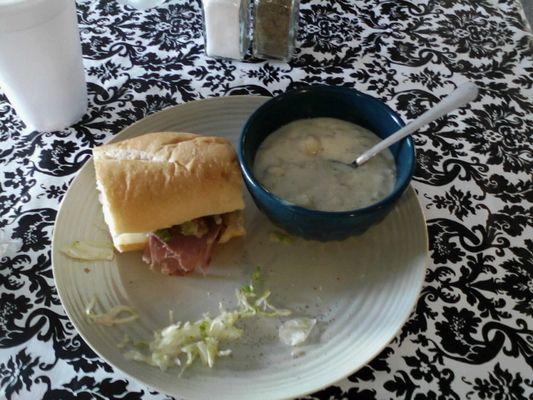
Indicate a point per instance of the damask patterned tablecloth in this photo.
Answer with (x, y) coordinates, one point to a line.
(471, 335)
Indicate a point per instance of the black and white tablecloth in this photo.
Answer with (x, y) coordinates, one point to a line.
(471, 336)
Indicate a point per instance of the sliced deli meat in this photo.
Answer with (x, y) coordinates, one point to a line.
(181, 249)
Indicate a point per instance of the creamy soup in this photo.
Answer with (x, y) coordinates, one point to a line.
(297, 163)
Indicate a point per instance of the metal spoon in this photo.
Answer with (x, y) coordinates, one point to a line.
(461, 96)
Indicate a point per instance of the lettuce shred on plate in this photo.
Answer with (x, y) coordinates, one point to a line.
(111, 317)
(281, 237)
(181, 343)
(89, 251)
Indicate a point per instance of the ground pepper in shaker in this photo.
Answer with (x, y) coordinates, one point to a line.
(226, 26)
(275, 26)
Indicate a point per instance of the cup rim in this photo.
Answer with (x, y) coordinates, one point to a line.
(250, 179)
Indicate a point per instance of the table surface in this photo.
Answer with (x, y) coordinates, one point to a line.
(472, 333)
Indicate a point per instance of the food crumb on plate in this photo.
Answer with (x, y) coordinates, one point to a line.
(281, 237)
(297, 352)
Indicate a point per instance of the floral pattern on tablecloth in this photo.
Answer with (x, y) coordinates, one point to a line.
(471, 336)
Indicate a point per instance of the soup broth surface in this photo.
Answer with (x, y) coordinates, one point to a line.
(297, 163)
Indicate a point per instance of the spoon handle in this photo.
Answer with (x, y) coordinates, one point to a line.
(461, 96)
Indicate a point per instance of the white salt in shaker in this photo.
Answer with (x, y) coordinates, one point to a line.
(41, 69)
(226, 25)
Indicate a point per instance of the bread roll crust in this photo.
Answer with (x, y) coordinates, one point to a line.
(162, 179)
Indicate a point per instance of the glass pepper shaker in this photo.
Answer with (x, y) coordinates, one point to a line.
(275, 28)
(226, 27)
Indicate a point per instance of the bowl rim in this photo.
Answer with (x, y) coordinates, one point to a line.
(250, 179)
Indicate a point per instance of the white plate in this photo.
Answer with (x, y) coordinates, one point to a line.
(361, 290)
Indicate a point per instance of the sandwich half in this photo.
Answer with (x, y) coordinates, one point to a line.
(172, 195)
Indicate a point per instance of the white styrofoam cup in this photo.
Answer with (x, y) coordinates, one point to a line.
(41, 67)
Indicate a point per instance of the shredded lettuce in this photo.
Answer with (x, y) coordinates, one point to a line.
(251, 287)
(89, 251)
(124, 342)
(196, 227)
(182, 343)
(281, 237)
(252, 305)
(164, 234)
(111, 317)
(296, 331)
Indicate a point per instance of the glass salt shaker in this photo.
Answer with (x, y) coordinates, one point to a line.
(275, 28)
(226, 27)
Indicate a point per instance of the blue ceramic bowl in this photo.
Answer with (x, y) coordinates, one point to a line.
(323, 101)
